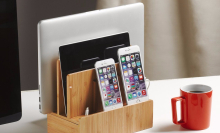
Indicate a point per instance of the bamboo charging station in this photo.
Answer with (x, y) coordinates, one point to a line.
(82, 92)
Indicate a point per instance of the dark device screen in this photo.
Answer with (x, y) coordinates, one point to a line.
(10, 93)
(83, 55)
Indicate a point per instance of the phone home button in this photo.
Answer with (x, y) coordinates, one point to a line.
(138, 100)
(113, 107)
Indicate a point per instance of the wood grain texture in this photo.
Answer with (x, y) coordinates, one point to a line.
(60, 99)
(83, 92)
(128, 119)
(58, 125)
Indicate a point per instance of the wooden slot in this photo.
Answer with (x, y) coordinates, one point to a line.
(60, 99)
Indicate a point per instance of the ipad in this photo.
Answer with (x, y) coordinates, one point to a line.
(83, 55)
(76, 28)
(10, 91)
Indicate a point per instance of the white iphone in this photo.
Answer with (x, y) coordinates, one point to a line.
(132, 74)
(108, 84)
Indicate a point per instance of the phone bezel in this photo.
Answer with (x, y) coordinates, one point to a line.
(129, 50)
(104, 63)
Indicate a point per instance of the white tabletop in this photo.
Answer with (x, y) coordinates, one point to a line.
(160, 91)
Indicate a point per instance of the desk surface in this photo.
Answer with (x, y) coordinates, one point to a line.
(160, 91)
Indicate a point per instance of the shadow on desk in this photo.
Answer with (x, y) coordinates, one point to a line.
(41, 123)
(170, 128)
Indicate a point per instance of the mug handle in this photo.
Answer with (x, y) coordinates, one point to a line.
(174, 112)
(147, 80)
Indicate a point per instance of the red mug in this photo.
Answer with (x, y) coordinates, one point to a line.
(195, 101)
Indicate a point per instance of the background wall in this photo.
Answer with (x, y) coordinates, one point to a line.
(30, 12)
(181, 37)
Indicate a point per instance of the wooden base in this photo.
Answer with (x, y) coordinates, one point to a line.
(128, 119)
(82, 92)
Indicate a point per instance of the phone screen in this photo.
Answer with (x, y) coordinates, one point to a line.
(109, 85)
(133, 76)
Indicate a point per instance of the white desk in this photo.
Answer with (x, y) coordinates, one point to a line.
(160, 91)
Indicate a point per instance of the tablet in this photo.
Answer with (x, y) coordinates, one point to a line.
(83, 55)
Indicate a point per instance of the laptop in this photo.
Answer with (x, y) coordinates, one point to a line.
(52, 33)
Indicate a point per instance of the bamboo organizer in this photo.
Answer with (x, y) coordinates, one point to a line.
(82, 92)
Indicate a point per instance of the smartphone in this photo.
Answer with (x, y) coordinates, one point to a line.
(108, 84)
(132, 74)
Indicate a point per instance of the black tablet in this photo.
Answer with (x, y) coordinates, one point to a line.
(83, 55)
(10, 93)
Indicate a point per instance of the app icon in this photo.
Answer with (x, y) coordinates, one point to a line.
(114, 80)
(129, 65)
(129, 96)
(104, 89)
(141, 77)
(128, 87)
(125, 73)
(106, 82)
(102, 83)
(105, 96)
(110, 81)
(136, 78)
(133, 87)
(127, 58)
(127, 80)
(122, 59)
(138, 63)
(109, 75)
(134, 94)
(133, 64)
(105, 76)
(109, 94)
(113, 94)
(111, 87)
(130, 72)
(100, 71)
(124, 66)
(131, 79)
(101, 77)
(112, 68)
(143, 92)
(118, 100)
(114, 101)
(110, 102)
(106, 103)
(137, 86)
(116, 87)
(139, 70)
(104, 70)
(108, 69)
(135, 71)
(139, 94)
(132, 57)
(108, 88)
(137, 56)
(113, 74)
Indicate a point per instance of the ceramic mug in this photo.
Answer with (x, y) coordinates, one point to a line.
(195, 107)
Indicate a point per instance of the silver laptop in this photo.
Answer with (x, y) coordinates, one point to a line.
(55, 32)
